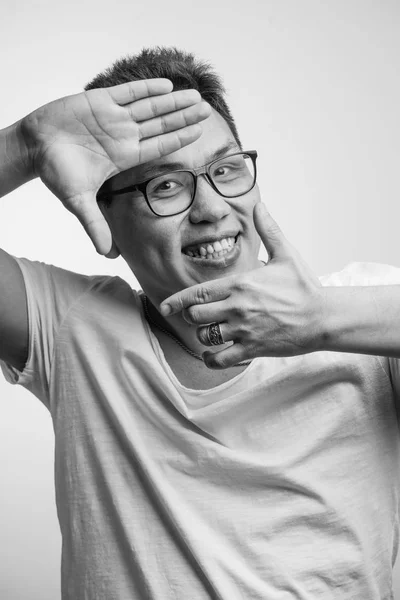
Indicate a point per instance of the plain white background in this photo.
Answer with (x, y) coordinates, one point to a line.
(315, 88)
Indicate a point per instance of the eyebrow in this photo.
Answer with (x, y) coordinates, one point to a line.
(166, 167)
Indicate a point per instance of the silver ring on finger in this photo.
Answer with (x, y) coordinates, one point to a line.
(214, 335)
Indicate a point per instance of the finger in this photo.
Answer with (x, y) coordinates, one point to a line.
(114, 252)
(173, 121)
(269, 232)
(202, 293)
(86, 209)
(167, 143)
(226, 358)
(125, 93)
(153, 106)
(203, 314)
(203, 334)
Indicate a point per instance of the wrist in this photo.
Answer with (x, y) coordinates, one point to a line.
(319, 336)
(350, 322)
(25, 151)
(326, 321)
(16, 166)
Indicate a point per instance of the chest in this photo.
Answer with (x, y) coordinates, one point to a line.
(190, 371)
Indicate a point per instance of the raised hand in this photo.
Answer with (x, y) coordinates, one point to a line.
(77, 142)
(277, 310)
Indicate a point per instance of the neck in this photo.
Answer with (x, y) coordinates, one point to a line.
(178, 328)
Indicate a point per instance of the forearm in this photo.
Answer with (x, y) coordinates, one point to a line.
(15, 165)
(362, 320)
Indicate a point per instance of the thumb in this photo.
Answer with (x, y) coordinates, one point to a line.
(94, 223)
(114, 252)
(269, 231)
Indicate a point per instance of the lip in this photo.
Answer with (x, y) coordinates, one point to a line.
(218, 263)
(211, 239)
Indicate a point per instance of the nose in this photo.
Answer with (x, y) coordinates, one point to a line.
(208, 205)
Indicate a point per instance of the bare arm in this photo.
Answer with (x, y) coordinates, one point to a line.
(13, 313)
(15, 170)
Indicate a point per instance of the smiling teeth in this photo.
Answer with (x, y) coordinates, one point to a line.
(212, 250)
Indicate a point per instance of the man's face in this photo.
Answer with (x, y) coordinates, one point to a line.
(156, 248)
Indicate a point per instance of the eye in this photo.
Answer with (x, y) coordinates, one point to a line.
(227, 171)
(165, 187)
(221, 171)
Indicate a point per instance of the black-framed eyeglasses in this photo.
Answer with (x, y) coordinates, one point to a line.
(173, 193)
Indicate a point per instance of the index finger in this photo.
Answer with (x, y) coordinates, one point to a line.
(125, 93)
(202, 293)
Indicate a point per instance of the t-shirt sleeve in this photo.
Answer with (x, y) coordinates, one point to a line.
(50, 292)
(370, 273)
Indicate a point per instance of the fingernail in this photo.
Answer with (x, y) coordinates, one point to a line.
(165, 310)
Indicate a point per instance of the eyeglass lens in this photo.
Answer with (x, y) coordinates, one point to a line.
(173, 192)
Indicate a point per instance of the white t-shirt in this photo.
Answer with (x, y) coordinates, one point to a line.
(281, 484)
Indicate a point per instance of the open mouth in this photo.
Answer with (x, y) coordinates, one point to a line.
(212, 250)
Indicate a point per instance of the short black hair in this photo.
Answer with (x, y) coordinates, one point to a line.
(182, 68)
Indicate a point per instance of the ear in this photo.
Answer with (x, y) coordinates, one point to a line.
(104, 205)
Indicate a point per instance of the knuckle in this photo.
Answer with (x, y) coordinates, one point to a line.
(153, 108)
(161, 148)
(131, 113)
(237, 312)
(203, 295)
(241, 329)
(185, 117)
(163, 125)
(241, 285)
(180, 303)
(131, 92)
(175, 105)
(141, 132)
(236, 309)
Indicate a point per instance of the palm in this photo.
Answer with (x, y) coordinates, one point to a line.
(79, 141)
(78, 154)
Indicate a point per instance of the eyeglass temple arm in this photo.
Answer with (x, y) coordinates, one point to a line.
(130, 188)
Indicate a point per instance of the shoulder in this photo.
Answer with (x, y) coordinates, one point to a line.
(363, 273)
(54, 294)
(45, 277)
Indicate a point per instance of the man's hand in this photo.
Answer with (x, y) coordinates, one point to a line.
(77, 142)
(276, 310)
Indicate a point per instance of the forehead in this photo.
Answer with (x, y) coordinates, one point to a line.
(216, 135)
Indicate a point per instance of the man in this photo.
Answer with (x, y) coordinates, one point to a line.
(230, 431)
